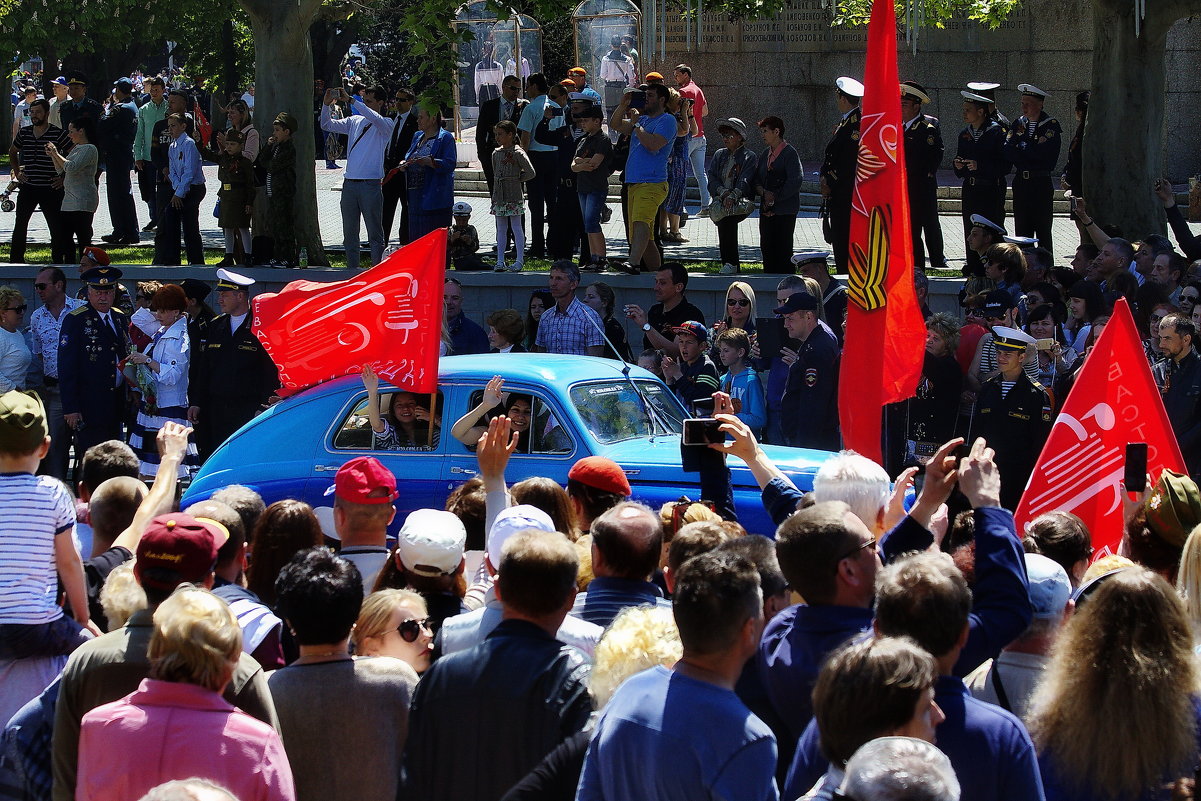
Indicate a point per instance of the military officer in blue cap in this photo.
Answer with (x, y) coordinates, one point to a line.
(233, 378)
(93, 341)
(1013, 413)
(809, 409)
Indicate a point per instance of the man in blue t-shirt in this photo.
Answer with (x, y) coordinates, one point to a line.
(682, 734)
(652, 132)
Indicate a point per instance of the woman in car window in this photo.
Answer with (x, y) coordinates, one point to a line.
(519, 409)
(407, 423)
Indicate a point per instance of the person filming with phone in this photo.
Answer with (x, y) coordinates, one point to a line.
(651, 130)
(1179, 377)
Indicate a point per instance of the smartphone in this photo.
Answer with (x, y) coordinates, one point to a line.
(1072, 202)
(1135, 476)
(1044, 344)
(556, 112)
(702, 431)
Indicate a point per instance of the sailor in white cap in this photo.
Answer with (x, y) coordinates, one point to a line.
(988, 90)
(1021, 241)
(838, 169)
(232, 377)
(1013, 414)
(980, 162)
(1032, 146)
(923, 155)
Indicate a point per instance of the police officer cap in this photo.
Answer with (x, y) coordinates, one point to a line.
(986, 88)
(914, 89)
(124, 84)
(975, 97)
(229, 280)
(1032, 91)
(984, 222)
(102, 277)
(77, 79)
(797, 301)
(1010, 338)
(806, 256)
(195, 289)
(1021, 241)
(849, 86)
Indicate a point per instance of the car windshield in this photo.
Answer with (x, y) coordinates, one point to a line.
(612, 410)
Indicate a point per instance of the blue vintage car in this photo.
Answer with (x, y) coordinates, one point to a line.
(580, 406)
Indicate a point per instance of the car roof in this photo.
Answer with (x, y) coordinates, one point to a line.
(545, 369)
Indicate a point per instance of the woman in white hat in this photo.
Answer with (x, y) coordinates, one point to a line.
(731, 176)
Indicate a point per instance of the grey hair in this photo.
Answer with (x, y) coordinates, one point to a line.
(194, 789)
(858, 482)
(900, 769)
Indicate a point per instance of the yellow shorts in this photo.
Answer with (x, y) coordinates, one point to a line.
(645, 200)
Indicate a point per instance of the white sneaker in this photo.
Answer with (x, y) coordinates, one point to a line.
(515, 267)
(728, 269)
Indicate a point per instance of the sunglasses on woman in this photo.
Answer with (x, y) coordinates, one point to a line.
(738, 302)
(411, 629)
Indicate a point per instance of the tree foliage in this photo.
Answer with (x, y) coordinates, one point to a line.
(933, 13)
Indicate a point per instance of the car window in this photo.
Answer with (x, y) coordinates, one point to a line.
(613, 411)
(406, 418)
(541, 430)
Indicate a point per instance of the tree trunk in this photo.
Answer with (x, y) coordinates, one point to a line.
(228, 81)
(283, 73)
(1124, 133)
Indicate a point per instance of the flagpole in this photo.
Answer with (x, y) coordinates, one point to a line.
(433, 416)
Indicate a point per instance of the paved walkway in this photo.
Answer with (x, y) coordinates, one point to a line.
(701, 233)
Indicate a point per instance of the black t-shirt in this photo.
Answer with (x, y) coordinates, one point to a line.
(663, 321)
(95, 572)
(597, 180)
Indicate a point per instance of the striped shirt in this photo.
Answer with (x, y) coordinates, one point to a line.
(607, 596)
(33, 511)
(36, 166)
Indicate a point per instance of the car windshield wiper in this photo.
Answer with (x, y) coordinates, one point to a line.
(658, 424)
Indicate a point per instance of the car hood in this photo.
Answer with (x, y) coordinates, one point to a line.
(656, 460)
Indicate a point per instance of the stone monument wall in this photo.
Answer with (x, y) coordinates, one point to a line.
(787, 66)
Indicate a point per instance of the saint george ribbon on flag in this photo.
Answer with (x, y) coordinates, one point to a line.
(1113, 402)
(886, 336)
(389, 317)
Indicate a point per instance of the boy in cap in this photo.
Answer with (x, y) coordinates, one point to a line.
(1013, 414)
(463, 240)
(235, 172)
(592, 164)
(278, 160)
(693, 376)
(37, 543)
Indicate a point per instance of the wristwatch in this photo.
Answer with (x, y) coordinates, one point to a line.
(646, 326)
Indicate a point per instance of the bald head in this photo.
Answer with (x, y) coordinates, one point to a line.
(224, 514)
(626, 542)
(113, 505)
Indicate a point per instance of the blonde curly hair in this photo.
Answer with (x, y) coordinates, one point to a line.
(639, 638)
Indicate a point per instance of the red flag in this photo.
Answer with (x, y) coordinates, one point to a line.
(886, 337)
(389, 317)
(1113, 402)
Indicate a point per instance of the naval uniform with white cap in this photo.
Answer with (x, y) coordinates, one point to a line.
(1014, 414)
(234, 376)
(838, 169)
(1033, 146)
(93, 340)
(980, 161)
(923, 155)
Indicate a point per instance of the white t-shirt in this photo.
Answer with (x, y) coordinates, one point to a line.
(14, 360)
(248, 99)
(33, 511)
(21, 115)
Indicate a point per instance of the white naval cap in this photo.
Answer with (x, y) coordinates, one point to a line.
(984, 222)
(1032, 90)
(228, 279)
(849, 86)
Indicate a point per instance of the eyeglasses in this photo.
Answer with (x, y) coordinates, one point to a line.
(738, 302)
(40, 287)
(411, 629)
(18, 309)
(871, 543)
(990, 318)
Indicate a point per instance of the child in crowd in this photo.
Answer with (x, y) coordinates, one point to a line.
(511, 168)
(593, 164)
(236, 174)
(652, 360)
(463, 241)
(37, 543)
(278, 161)
(741, 382)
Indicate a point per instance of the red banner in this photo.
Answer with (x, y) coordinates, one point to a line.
(1114, 402)
(389, 317)
(886, 336)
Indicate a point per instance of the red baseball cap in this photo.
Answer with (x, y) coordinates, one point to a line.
(359, 477)
(602, 473)
(182, 546)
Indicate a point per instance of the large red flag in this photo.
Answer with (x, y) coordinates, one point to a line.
(389, 317)
(886, 338)
(1113, 402)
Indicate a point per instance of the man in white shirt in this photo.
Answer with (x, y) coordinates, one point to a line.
(45, 327)
(21, 117)
(248, 97)
(367, 135)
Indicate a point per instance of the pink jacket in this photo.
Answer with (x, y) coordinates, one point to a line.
(166, 730)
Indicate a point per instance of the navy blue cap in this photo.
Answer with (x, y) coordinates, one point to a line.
(102, 277)
(124, 84)
(798, 301)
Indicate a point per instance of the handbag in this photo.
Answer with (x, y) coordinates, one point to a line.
(742, 206)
